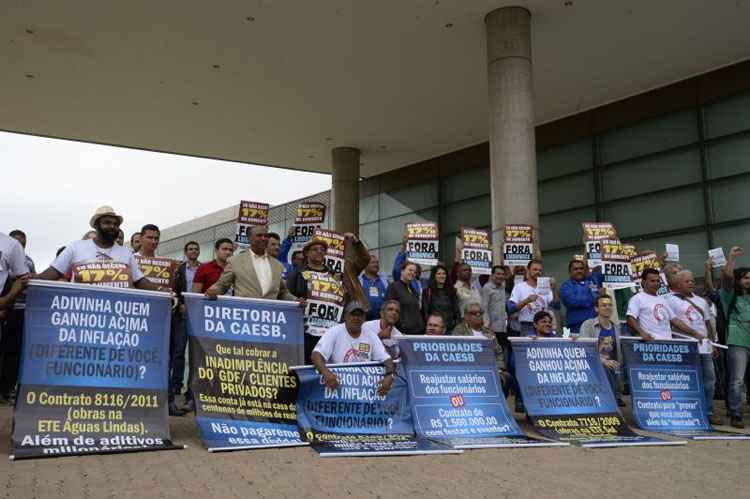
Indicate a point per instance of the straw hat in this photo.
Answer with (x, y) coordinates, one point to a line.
(104, 211)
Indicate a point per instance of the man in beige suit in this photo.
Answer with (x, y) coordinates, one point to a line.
(253, 274)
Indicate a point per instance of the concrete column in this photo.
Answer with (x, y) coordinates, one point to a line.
(345, 189)
(512, 142)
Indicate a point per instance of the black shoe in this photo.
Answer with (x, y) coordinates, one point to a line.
(520, 407)
(189, 406)
(621, 403)
(737, 423)
(174, 410)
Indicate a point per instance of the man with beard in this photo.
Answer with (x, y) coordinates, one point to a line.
(102, 250)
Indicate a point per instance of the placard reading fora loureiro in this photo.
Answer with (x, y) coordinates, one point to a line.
(422, 241)
(310, 217)
(353, 419)
(250, 214)
(456, 394)
(666, 385)
(567, 394)
(93, 376)
(475, 250)
(240, 353)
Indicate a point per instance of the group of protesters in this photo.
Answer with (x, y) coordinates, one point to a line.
(379, 307)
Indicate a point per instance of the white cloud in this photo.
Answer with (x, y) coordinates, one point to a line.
(50, 188)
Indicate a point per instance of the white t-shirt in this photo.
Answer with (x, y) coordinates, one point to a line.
(338, 347)
(12, 259)
(390, 344)
(519, 294)
(82, 252)
(652, 313)
(689, 314)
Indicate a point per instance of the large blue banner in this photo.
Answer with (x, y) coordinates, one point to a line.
(354, 419)
(93, 375)
(568, 396)
(456, 395)
(240, 353)
(666, 387)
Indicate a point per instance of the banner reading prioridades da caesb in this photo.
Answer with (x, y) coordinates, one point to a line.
(456, 395)
(240, 351)
(93, 376)
(567, 394)
(666, 386)
(353, 419)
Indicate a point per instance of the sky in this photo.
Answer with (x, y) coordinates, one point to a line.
(51, 187)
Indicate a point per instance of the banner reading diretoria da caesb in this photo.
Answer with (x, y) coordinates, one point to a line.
(567, 394)
(456, 395)
(93, 376)
(240, 353)
(353, 419)
(666, 386)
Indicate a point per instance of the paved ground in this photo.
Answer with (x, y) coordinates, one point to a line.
(699, 469)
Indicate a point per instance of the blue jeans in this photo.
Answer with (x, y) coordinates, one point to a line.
(709, 381)
(612, 378)
(737, 358)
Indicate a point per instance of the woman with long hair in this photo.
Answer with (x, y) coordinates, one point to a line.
(735, 299)
(411, 320)
(440, 296)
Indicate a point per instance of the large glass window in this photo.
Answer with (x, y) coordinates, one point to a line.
(651, 174)
(728, 116)
(408, 200)
(729, 157)
(650, 136)
(566, 192)
(693, 249)
(466, 185)
(661, 212)
(731, 199)
(564, 229)
(565, 159)
(475, 213)
(369, 208)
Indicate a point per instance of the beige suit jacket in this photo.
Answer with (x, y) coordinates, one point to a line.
(240, 274)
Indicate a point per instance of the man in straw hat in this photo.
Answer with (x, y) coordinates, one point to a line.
(100, 261)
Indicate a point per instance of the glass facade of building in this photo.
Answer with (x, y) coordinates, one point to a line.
(681, 178)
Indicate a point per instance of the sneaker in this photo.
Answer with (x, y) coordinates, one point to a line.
(737, 423)
(716, 420)
(174, 410)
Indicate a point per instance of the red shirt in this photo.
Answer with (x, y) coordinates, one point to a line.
(207, 274)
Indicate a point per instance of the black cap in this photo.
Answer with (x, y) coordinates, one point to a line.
(354, 305)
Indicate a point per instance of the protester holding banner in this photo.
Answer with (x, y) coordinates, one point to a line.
(411, 321)
(346, 343)
(440, 296)
(468, 288)
(607, 332)
(435, 324)
(735, 299)
(473, 325)
(695, 312)
(183, 282)
(208, 273)
(375, 286)
(385, 327)
(398, 264)
(578, 294)
(650, 316)
(494, 302)
(253, 274)
(135, 242)
(100, 261)
(528, 300)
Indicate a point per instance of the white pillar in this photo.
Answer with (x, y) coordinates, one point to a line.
(512, 142)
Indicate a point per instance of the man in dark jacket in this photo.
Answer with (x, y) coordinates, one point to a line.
(183, 282)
